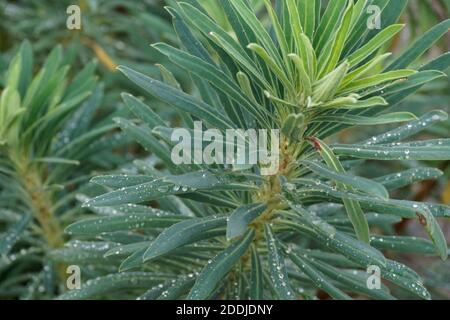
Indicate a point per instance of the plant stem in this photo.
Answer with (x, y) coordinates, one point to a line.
(41, 205)
(40, 199)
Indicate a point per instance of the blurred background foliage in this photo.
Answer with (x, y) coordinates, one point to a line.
(120, 32)
(113, 32)
(421, 15)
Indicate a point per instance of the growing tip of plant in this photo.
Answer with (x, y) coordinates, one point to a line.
(170, 10)
(125, 95)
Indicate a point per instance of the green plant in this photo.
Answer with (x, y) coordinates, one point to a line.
(112, 32)
(50, 141)
(314, 226)
(107, 29)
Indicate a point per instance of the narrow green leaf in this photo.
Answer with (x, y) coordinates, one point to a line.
(354, 211)
(210, 73)
(307, 10)
(9, 238)
(144, 136)
(58, 161)
(362, 184)
(352, 281)
(405, 178)
(349, 119)
(414, 81)
(240, 218)
(177, 288)
(121, 181)
(257, 27)
(394, 152)
(404, 208)
(276, 69)
(410, 129)
(354, 250)
(180, 234)
(339, 41)
(169, 185)
(277, 268)
(420, 46)
(177, 99)
(403, 244)
(373, 81)
(375, 43)
(113, 282)
(304, 78)
(218, 267)
(326, 88)
(318, 278)
(95, 226)
(327, 26)
(141, 110)
(256, 280)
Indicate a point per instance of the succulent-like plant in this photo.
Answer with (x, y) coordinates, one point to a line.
(113, 31)
(48, 124)
(313, 228)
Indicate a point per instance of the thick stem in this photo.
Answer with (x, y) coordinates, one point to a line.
(270, 194)
(41, 203)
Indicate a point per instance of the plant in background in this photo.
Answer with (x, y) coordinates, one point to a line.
(50, 141)
(103, 36)
(106, 28)
(113, 32)
(314, 228)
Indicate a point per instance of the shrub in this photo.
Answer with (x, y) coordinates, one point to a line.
(216, 231)
(50, 141)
